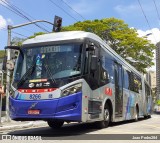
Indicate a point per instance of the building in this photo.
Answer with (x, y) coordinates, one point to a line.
(151, 78)
(158, 69)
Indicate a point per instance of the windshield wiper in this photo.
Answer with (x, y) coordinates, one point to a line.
(49, 71)
(26, 75)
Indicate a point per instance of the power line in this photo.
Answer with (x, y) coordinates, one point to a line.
(5, 29)
(144, 14)
(146, 19)
(24, 16)
(18, 15)
(19, 34)
(156, 9)
(17, 12)
(26, 13)
(63, 10)
(73, 9)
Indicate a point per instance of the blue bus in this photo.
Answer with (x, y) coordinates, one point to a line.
(75, 77)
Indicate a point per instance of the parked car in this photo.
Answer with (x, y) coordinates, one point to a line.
(157, 108)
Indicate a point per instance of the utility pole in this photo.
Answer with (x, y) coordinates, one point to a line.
(9, 58)
(8, 75)
(1, 100)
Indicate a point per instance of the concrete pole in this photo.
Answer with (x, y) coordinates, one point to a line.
(0, 109)
(1, 100)
(8, 76)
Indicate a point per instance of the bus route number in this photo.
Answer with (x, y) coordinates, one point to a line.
(35, 96)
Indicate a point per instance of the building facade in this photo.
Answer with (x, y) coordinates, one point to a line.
(158, 69)
(151, 78)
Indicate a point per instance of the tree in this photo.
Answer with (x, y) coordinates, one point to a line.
(36, 34)
(121, 38)
(16, 41)
(2, 53)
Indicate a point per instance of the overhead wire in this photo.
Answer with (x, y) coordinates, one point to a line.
(20, 34)
(26, 13)
(63, 10)
(5, 29)
(24, 16)
(146, 20)
(73, 9)
(17, 12)
(156, 9)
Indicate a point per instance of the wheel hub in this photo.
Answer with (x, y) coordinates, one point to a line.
(106, 115)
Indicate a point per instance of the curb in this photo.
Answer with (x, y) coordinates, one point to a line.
(21, 126)
(27, 125)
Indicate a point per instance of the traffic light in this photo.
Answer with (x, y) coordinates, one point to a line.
(57, 24)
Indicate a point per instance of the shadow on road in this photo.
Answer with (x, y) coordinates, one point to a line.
(67, 130)
(127, 122)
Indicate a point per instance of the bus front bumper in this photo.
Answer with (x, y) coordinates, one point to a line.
(67, 108)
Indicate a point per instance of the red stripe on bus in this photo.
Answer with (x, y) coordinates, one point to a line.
(36, 90)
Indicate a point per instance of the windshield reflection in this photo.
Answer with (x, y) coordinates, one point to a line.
(55, 61)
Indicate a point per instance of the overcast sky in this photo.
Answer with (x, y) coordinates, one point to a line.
(127, 10)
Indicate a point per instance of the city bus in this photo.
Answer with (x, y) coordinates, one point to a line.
(75, 77)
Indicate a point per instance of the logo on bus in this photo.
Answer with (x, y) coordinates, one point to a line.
(35, 96)
(108, 91)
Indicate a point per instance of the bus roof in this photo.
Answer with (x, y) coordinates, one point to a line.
(61, 36)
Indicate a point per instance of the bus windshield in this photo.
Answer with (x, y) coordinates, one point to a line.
(48, 62)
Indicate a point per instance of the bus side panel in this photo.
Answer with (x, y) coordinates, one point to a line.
(126, 101)
(131, 100)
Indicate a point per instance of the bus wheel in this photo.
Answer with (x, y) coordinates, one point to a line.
(105, 122)
(55, 124)
(149, 116)
(136, 115)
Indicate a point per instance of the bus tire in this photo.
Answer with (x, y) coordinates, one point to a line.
(136, 115)
(106, 121)
(55, 124)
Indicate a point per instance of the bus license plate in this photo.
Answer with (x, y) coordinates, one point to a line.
(34, 112)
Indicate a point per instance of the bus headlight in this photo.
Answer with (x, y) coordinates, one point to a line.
(72, 89)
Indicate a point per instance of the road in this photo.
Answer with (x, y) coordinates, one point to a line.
(81, 131)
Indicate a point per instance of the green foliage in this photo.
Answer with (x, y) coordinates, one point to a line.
(121, 38)
(36, 34)
(16, 41)
(2, 53)
(158, 102)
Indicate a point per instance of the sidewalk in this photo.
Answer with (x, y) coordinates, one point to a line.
(19, 125)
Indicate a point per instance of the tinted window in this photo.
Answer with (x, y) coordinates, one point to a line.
(107, 66)
(135, 82)
(126, 79)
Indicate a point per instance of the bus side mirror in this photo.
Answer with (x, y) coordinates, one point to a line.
(94, 63)
(9, 64)
(91, 47)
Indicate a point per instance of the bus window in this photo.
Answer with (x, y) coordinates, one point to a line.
(126, 79)
(107, 65)
(135, 82)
